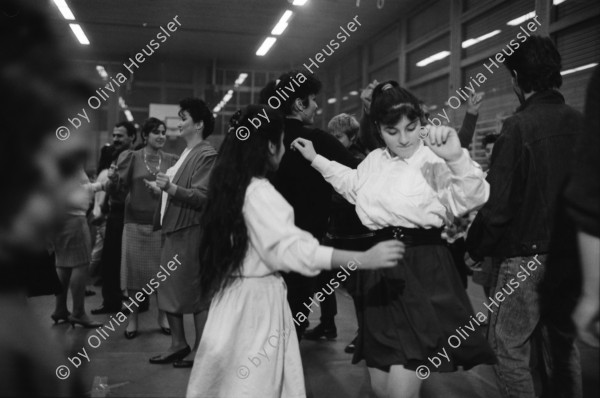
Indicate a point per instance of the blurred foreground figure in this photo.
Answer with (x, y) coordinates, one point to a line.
(40, 179)
(529, 166)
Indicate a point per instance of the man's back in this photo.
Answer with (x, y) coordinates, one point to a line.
(528, 168)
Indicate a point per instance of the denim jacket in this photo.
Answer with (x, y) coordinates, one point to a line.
(529, 165)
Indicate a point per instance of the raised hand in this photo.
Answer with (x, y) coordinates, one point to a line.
(443, 141)
(366, 95)
(305, 147)
(474, 102)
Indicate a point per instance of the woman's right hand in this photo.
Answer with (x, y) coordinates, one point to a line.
(305, 147)
(382, 255)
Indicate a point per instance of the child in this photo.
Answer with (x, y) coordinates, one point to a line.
(409, 190)
(248, 348)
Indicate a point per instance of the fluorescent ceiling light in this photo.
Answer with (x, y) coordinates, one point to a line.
(240, 80)
(128, 115)
(579, 68)
(331, 100)
(79, 33)
(282, 24)
(64, 10)
(299, 2)
(122, 103)
(102, 72)
(469, 42)
(557, 2)
(353, 92)
(266, 46)
(433, 58)
(521, 19)
(345, 98)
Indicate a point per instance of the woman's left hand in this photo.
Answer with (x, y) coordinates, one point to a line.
(151, 185)
(163, 181)
(305, 147)
(443, 141)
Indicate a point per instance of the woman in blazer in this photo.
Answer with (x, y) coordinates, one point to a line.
(184, 189)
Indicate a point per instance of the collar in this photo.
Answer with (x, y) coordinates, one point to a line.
(543, 97)
(389, 155)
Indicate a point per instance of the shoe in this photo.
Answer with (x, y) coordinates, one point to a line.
(89, 293)
(350, 348)
(85, 323)
(58, 318)
(183, 363)
(104, 310)
(160, 359)
(321, 331)
(166, 330)
(130, 335)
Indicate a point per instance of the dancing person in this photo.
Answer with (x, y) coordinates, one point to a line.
(140, 257)
(41, 174)
(529, 166)
(300, 185)
(98, 216)
(250, 239)
(345, 231)
(124, 135)
(407, 191)
(569, 291)
(73, 248)
(184, 190)
(583, 193)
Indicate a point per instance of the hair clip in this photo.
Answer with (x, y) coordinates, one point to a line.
(386, 86)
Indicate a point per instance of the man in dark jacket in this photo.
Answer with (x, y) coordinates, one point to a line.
(300, 184)
(529, 165)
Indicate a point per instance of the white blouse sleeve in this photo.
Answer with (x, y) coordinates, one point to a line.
(462, 183)
(279, 243)
(343, 179)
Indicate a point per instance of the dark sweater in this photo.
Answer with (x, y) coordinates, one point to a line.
(304, 187)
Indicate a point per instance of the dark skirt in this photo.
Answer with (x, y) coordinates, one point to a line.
(410, 311)
(180, 292)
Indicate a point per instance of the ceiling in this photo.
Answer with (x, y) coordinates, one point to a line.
(229, 31)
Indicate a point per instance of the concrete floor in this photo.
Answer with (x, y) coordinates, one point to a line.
(123, 364)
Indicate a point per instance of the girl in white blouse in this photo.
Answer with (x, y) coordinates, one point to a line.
(409, 190)
(249, 347)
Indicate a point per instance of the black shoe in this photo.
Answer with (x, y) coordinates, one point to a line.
(183, 363)
(350, 348)
(130, 335)
(160, 359)
(105, 310)
(321, 331)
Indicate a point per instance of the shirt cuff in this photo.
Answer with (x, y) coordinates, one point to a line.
(461, 166)
(320, 163)
(323, 256)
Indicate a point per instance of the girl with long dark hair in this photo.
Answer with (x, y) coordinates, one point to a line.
(409, 190)
(249, 347)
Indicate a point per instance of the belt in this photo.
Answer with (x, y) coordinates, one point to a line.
(411, 236)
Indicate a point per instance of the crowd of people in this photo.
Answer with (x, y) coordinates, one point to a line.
(253, 231)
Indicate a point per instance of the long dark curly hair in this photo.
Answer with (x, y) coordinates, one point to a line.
(242, 156)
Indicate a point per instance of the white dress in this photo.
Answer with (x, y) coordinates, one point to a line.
(249, 346)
